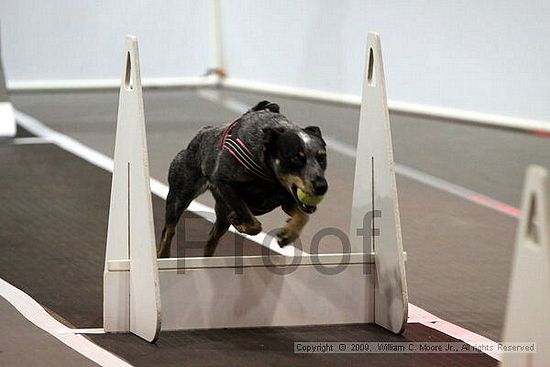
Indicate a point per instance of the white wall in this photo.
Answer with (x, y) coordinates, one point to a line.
(489, 56)
(84, 39)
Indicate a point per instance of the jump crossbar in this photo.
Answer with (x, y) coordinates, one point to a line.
(252, 261)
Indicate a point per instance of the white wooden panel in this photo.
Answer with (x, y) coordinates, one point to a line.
(528, 311)
(216, 298)
(375, 211)
(116, 301)
(220, 297)
(131, 230)
(7, 120)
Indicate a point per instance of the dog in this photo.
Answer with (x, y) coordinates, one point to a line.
(251, 166)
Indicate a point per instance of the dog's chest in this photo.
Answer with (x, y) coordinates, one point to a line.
(261, 198)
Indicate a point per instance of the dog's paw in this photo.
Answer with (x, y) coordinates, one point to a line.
(251, 228)
(286, 236)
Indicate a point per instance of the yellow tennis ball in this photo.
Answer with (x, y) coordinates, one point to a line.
(309, 200)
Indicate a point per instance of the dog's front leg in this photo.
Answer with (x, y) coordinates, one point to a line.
(294, 225)
(239, 216)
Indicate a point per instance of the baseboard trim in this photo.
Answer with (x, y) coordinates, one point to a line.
(24, 86)
(414, 109)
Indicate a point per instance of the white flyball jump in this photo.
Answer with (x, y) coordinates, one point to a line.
(528, 311)
(365, 286)
(7, 116)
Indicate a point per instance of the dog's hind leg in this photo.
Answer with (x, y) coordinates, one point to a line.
(174, 209)
(185, 185)
(218, 230)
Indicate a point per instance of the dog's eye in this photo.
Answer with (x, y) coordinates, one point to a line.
(322, 157)
(297, 160)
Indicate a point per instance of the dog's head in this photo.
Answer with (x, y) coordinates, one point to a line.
(299, 160)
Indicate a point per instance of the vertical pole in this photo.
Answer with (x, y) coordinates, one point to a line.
(131, 233)
(8, 127)
(215, 46)
(375, 203)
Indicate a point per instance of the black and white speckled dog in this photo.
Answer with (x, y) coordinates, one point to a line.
(252, 166)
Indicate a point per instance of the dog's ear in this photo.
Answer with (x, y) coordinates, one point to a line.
(314, 130)
(266, 105)
(273, 107)
(260, 106)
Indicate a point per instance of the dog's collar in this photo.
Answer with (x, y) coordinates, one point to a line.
(238, 149)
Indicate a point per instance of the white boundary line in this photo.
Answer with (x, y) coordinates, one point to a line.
(435, 182)
(36, 314)
(457, 190)
(82, 331)
(418, 315)
(158, 188)
(99, 84)
(405, 171)
(30, 141)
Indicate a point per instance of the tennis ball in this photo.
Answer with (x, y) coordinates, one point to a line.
(309, 200)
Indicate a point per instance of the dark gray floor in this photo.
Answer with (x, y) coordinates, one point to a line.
(459, 252)
(274, 347)
(54, 221)
(24, 344)
(54, 212)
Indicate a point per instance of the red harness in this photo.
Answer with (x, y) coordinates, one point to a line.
(238, 149)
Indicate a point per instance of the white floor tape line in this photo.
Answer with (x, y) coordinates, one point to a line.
(348, 150)
(30, 141)
(75, 147)
(418, 315)
(36, 314)
(82, 331)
